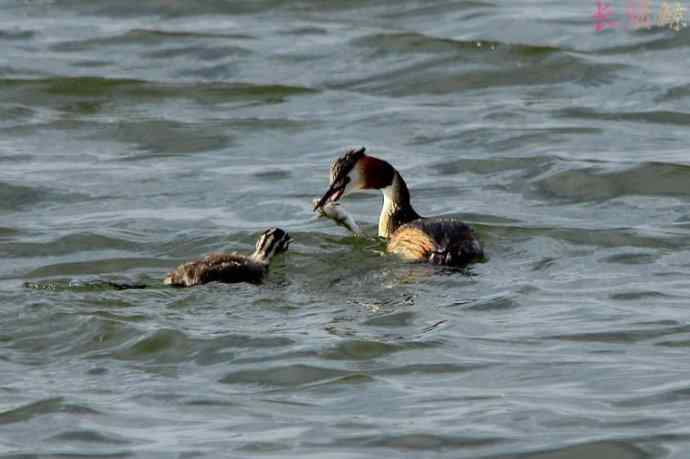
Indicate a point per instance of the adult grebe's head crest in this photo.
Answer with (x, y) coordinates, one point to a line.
(356, 171)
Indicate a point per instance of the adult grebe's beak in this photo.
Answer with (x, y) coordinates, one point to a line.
(334, 193)
(340, 175)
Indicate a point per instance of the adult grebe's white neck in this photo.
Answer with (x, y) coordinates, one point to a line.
(396, 209)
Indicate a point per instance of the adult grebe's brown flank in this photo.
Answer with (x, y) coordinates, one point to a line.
(437, 240)
(232, 267)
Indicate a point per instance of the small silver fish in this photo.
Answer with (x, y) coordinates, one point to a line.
(333, 211)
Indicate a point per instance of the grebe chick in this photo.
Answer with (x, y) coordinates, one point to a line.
(444, 241)
(232, 267)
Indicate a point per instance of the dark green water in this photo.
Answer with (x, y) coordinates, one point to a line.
(138, 134)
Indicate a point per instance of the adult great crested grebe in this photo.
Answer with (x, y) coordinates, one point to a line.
(438, 240)
(232, 267)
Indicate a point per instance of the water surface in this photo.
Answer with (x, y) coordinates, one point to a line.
(139, 134)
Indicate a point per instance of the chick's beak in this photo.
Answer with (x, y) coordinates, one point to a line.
(335, 192)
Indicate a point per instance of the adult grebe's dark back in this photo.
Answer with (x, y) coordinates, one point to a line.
(438, 240)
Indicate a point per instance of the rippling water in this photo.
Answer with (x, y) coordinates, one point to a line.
(138, 134)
